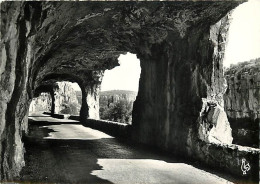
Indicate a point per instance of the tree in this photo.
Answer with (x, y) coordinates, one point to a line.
(70, 108)
(119, 111)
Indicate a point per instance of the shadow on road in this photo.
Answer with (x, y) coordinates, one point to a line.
(102, 160)
(47, 123)
(57, 161)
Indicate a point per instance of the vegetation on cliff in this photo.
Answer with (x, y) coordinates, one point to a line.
(117, 105)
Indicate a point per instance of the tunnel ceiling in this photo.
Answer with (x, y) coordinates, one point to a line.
(77, 37)
(80, 77)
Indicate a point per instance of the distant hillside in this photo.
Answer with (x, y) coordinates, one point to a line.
(246, 67)
(118, 92)
(114, 94)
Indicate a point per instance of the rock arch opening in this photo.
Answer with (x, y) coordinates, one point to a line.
(241, 64)
(66, 101)
(42, 103)
(119, 89)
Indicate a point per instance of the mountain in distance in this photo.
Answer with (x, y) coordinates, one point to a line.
(118, 92)
(117, 95)
(114, 94)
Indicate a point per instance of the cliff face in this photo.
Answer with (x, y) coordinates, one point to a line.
(242, 101)
(64, 99)
(64, 96)
(181, 95)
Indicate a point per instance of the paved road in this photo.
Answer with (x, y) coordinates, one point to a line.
(63, 151)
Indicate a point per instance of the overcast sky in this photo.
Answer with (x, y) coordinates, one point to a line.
(124, 77)
(243, 45)
(244, 33)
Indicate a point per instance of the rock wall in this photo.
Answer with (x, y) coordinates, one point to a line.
(90, 96)
(178, 79)
(65, 95)
(180, 104)
(14, 95)
(242, 102)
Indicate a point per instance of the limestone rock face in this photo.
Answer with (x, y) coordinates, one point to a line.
(180, 45)
(64, 95)
(242, 101)
(175, 79)
(13, 97)
(90, 97)
(214, 125)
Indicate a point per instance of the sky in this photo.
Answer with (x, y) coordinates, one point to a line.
(244, 34)
(243, 45)
(123, 77)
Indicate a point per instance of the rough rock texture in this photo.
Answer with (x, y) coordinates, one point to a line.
(242, 102)
(180, 45)
(176, 78)
(64, 94)
(14, 74)
(214, 126)
(90, 96)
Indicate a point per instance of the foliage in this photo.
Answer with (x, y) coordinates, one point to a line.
(70, 108)
(119, 111)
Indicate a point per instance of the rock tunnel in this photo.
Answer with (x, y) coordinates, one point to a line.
(181, 45)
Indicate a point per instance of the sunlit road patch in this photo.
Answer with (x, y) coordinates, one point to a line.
(130, 171)
(70, 131)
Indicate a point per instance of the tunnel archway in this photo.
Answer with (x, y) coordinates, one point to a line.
(66, 93)
(119, 89)
(180, 46)
(241, 62)
(43, 103)
(62, 98)
(49, 100)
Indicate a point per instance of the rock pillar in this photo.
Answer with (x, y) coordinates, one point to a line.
(90, 95)
(14, 92)
(177, 76)
(52, 102)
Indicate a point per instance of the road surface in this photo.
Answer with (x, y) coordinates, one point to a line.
(63, 151)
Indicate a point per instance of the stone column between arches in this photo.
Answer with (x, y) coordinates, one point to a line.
(52, 102)
(179, 107)
(179, 79)
(90, 95)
